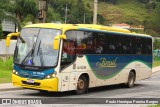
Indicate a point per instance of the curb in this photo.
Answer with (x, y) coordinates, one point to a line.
(155, 72)
(157, 69)
(10, 89)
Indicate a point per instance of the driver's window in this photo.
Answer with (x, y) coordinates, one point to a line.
(68, 54)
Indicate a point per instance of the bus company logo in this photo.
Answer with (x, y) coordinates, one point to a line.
(104, 63)
(24, 73)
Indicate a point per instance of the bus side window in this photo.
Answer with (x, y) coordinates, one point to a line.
(148, 47)
(139, 51)
(111, 49)
(68, 54)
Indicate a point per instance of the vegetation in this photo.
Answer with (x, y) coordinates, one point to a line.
(6, 69)
(156, 44)
(156, 63)
(133, 12)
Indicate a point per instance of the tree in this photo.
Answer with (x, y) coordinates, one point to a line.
(5, 15)
(156, 18)
(53, 16)
(4, 7)
(59, 8)
(24, 10)
(156, 44)
(143, 1)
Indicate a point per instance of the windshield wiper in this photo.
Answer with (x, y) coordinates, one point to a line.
(30, 52)
(41, 54)
(23, 41)
(27, 56)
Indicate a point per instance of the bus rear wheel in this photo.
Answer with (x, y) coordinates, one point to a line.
(131, 80)
(82, 85)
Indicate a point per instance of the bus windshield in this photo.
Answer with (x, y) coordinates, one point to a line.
(35, 47)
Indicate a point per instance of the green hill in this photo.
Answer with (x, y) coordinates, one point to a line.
(127, 11)
(133, 12)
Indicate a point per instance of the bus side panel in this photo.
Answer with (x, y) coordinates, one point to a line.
(82, 67)
(65, 81)
(66, 78)
(114, 69)
(121, 77)
(70, 74)
(142, 71)
(104, 70)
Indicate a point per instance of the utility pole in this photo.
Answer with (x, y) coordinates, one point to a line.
(95, 12)
(66, 15)
(84, 18)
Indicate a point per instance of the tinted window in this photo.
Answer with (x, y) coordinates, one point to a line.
(87, 42)
(69, 51)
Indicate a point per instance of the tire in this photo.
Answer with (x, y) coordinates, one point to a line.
(82, 85)
(131, 80)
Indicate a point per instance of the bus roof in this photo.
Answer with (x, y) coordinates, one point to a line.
(85, 27)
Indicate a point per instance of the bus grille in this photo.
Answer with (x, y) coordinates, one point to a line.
(36, 83)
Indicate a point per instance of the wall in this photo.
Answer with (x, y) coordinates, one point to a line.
(4, 50)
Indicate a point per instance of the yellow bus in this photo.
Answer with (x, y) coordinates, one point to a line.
(63, 57)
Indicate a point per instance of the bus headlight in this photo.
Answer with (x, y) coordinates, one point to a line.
(53, 75)
(14, 72)
(48, 76)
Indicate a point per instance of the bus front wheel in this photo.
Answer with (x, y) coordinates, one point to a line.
(131, 80)
(82, 85)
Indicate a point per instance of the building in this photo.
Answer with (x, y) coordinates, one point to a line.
(127, 26)
(122, 25)
(8, 26)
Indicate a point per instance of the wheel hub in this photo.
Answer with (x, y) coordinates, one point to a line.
(80, 84)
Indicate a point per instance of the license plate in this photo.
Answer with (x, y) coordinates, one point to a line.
(30, 81)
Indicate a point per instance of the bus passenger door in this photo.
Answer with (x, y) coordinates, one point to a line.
(67, 61)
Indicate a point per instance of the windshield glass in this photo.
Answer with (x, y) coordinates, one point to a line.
(35, 47)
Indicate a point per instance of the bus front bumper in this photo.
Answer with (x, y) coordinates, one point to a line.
(45, 84)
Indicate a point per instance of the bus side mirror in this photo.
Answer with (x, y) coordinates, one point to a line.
(9, 37)
(56, 41)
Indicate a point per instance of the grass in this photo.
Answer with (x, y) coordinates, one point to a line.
(156, 63)
(134, 11)
(6, 70)
(158, 105)
(125, 11)
(5, 76)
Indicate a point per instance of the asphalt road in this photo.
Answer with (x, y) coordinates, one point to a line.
(149, 88)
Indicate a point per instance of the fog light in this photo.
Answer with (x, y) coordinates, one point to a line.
(13, 71)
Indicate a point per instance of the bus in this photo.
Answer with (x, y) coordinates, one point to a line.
(65, 57)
